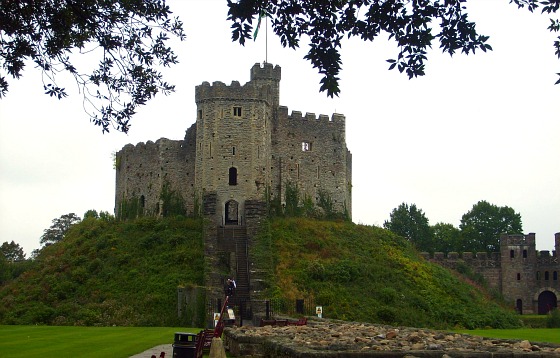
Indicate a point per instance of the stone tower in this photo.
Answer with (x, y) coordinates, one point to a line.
(518, 262)
(233, 135)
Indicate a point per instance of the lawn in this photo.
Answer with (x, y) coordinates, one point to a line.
(548, 335)
(83, 342)
(123, 342)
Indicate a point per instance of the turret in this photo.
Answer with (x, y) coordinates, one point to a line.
(268, 75)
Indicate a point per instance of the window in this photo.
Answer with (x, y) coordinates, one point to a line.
(233, 151)
(511, 254)
(555, 275)
(237, 111)
(232, 176)
(546, 275)
(306, 146)
(524, 254)
(142, 201)
(200, 114)
(518, 277)
(538, 275)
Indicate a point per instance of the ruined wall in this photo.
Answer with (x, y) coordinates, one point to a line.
(311, 152)
(143, 170)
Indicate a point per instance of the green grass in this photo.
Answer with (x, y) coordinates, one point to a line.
(363, 273)
(548, 335)
(84, 342)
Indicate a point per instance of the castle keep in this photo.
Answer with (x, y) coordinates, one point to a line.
(244, 152)
(524, 276)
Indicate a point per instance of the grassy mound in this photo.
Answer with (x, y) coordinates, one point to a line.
(109, 273)
(363, 273)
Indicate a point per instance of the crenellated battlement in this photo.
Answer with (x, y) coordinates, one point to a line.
(297, 116)
(266, 72)
(475, 259)
(150, 145)
(234, 92)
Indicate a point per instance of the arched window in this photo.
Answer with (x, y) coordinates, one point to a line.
(555, 275)
(232, 176)
(546, 276)
(524, 254)
(511, 254)
(142, 201)
(538, 275)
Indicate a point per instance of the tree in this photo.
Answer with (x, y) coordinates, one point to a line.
(447, 238)
(12, 251)
(59, 228)
(91, 213)
(409, 23)
(127, 37)
(482, 226)
(411, 223)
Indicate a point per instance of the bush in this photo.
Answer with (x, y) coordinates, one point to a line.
(553, 319)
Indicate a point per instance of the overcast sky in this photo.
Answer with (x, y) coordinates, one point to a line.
(482, 127)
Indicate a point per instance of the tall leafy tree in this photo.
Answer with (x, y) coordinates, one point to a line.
(447, 238)
(12, 251)
(412, 25)
(59, 228)
(482, 226)
(412, 224)
(128, 38)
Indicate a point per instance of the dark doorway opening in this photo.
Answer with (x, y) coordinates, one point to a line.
(547, 302)
(232, 213)
(519, 306)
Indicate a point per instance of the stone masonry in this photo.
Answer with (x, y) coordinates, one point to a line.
(524, 276)
(244, 147)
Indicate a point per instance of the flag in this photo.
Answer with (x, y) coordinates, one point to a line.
(261, 15)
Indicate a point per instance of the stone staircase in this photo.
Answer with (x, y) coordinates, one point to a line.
(234, 239)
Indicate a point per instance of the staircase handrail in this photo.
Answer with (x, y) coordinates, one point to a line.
(221, 324)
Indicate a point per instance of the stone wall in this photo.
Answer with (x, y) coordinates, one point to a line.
(519, 272)
(142, 171)
(325, 338)
(311, 152)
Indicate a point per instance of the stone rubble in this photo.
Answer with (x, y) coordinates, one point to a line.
(322, 336)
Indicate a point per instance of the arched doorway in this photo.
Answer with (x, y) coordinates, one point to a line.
(547, 302)
(232, 212)
(519, 306)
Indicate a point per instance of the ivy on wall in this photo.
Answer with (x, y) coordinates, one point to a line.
(297, 206)
(172, 201)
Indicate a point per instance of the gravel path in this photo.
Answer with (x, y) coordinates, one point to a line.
(167, 348)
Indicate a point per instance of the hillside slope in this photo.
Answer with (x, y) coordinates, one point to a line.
(109, 273)
(364, 273)
(127, 273)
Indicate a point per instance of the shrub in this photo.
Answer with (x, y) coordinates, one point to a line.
(553, 319)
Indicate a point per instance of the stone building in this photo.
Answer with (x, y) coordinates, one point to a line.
(243, 152)
(527, 278)
(243, 147)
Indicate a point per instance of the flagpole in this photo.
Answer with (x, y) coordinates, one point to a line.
(266, 40)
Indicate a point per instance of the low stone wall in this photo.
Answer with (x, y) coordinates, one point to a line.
(321, 338)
